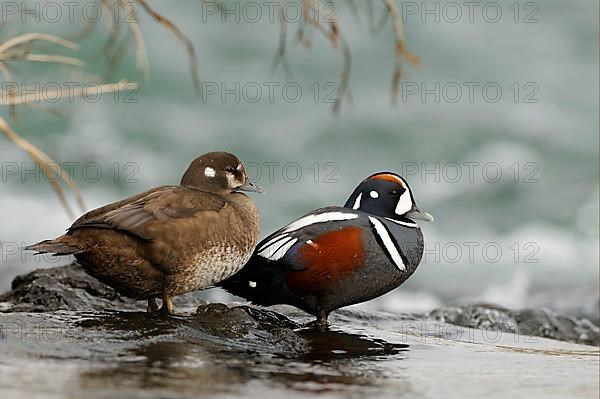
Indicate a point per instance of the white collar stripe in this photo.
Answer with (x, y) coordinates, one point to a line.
(388, 244)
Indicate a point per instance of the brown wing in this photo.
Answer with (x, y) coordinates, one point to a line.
(139, 215)
(95, 213)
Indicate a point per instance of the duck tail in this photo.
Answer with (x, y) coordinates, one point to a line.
(258, 282)
(56, 247)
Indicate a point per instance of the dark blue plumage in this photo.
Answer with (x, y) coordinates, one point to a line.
(338, 256)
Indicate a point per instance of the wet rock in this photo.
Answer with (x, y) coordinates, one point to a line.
(250, 329)
(544, 323)
(61, 288)
(69, 288)
(535, 322)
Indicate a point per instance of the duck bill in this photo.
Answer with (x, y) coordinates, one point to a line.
(251, 187)
(416, 213)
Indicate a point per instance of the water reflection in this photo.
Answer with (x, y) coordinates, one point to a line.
(335, 344)
(180, 356)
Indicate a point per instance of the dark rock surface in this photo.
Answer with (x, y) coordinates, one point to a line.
(69, 288)
(534, 322)
(61, 288)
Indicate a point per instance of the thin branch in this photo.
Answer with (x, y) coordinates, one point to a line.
(116, 56)
(378, 27)
(19, 49)
(345, 79)
(85, 32)
(370, 21)
(113, 33)
(140, 47)
(7, 100)
(280, 57)
(31, 37)
(191, 51)
(5, 72)
(321, 27)
(335, 36)
(354, 11)
(401, 49)
(44, 162)
(44, 58)
(8, 78)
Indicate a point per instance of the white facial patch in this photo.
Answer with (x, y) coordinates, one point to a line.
(357, 202)
(388, 244)
(404, 203)
(239, 167)
(374, 194)
(209, 172)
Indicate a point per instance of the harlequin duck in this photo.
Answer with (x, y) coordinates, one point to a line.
(171, 239)
(338, 256)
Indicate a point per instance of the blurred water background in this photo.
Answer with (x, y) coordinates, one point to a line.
(527, 237)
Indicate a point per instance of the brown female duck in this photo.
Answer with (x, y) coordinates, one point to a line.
(171, 239)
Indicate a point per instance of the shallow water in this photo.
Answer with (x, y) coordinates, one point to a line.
(130, 354)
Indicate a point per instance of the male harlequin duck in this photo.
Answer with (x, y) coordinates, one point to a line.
(171, 239)
(338, 256)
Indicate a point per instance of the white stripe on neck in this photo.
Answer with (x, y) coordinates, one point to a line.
(388, 244)
(357, 202)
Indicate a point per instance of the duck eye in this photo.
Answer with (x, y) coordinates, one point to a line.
(229, 169)
(394, 192)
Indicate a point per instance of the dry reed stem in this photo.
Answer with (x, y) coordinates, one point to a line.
(7, 99)
(280, 57)
(8, 78)
(401, 49)
(59, 59)
(187, 43)
(19, 49)
(45, 163)
(332, 31)
(140, 46)
(113, 32)
(31, 37)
